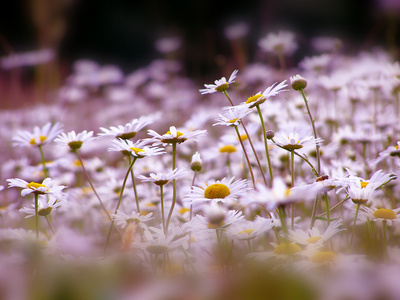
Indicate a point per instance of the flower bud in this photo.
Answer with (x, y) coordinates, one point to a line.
(196, 163)
(298, 83)
(270, 134)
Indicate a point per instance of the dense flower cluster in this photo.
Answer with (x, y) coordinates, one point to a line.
(298, 185)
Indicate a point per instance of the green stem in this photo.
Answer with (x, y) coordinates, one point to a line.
(173, 185)
(37, 215)
(119, 203)
(384, 226)
(45, 170)
(314, 211)
(354, 226)
(314, 131)
(48, 222)
(265, 143)
(247, 158)
(250, 142)
(292, 183)
(134, 186)
(328, 218)
(228, 163)
(255, 153)
(282, 217)
(91, 185)
(282, 63)
(162, 209)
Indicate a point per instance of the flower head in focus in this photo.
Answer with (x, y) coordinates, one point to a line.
(73, 140)
(220, 85)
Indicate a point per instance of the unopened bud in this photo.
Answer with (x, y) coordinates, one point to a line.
(270, 134)
(298, 83)
(196, 163)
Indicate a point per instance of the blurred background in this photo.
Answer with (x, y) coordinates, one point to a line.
(52, 34)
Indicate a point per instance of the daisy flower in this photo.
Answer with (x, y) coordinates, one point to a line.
(360, 190)
(233, 115)
(175, 136)
(313, 238)
(162, 178)
(135, 149)
(270, 91)
(219, 191)
(45, 207)
(281, 42)
(248, 230)
(38, 137)
(121, 219)
(381, 214)
(128, 131)
(293, 141)
(220, 85)
(73, 140)
(196, 164)
(215, 218)
(389, 152)
(46, 187)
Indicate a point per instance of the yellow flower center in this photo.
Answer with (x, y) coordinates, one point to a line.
(42, 139)
(35, 185)
(313, 239)
(183, 210)
(384, 213)
(396, 147)
(248, 231)
(227, 149)
(323, 256)
(364, 184)
(287, 249)
(137, 150)
(216, 191)
(233, 120)
(253, 98)
(178, 133)
(77, 163)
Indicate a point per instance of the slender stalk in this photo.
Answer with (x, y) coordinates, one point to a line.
(336, 206)
(371, 236)
(397, 106)
(37, 215)
(314, 211)
(45, 170)
(251, 143)
(228, 163)
(162, 208)
(327, 208)
(249, 245)
(265, 143)
(282, 217)
(281, 59)
(119, 202)
(292, 182)
(354, 226)
(134, 186)
(48, 222)
(91, 184)
(247, 158)
(255, 153)
(312, 120)
(173, 185)
(384, 226)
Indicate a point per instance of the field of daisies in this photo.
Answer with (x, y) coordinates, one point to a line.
(270, 181)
